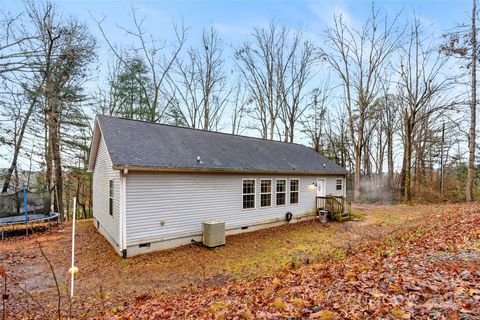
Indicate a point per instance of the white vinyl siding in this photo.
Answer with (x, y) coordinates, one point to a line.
(103, 174)
(331, 186)
(183, 201)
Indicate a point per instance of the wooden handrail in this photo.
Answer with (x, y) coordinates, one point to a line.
(337, 206)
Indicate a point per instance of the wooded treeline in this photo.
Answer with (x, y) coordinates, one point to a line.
(388, 99)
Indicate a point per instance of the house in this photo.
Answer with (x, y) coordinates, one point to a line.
(154, 184)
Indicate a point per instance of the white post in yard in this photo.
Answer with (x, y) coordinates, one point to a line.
(72, 269)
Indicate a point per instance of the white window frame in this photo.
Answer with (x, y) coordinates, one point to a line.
(262, 193)
(254, 194)
(341, 184)
(290, 192)
(285, 192)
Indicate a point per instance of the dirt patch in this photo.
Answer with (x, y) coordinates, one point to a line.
(217, 280)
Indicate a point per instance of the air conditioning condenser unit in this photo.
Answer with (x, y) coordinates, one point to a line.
(213, 233)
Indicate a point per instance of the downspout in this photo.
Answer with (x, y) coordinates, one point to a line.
(123, 213)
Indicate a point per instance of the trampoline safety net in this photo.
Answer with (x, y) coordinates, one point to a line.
(12, 204)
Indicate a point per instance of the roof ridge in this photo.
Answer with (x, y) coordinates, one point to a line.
(203, 130)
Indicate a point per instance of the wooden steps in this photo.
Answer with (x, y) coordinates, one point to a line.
(339, 208)
(345, 216)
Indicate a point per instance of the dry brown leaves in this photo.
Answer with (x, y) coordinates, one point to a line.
(427, 271)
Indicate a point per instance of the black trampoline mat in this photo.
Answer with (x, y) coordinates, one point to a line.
(35, 217)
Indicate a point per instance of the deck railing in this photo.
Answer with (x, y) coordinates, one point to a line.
(338, 208)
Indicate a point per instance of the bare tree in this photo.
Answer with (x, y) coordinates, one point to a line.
(23, 118)
(473, 108)
(359, 57)
(159, 57)
(293, 85)
(15, 54)
(339, 146)
(239, 111)
(463, 44)
(421, 90)
(315, 120)
(67, 50)
(199, 84)
(106, 99)
(21, 86)
(389, 126)
(381, 127)
(264, 64)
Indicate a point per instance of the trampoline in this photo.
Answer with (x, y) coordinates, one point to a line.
(24, 208)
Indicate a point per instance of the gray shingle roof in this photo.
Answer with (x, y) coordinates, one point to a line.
(139, 144)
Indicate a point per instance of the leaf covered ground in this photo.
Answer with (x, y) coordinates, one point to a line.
(429, 270)
(397, 262)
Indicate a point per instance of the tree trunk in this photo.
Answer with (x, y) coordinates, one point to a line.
(390, 160)
(206, 97)
(292, 130)
(473, 110)
(53, 137)
(367, 172)
(18, 144)
(272, 128)
(408, 161)
(358, 165)
(358, 158)
(48, 159)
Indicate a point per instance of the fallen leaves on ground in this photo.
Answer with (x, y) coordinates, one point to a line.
(426, 270)
(106, 282)
(399, 262)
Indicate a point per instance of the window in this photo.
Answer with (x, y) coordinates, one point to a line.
(294, 191)
(110, 198)
(281, 192)
(339, 184)
(248, 194)
(265, 193)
